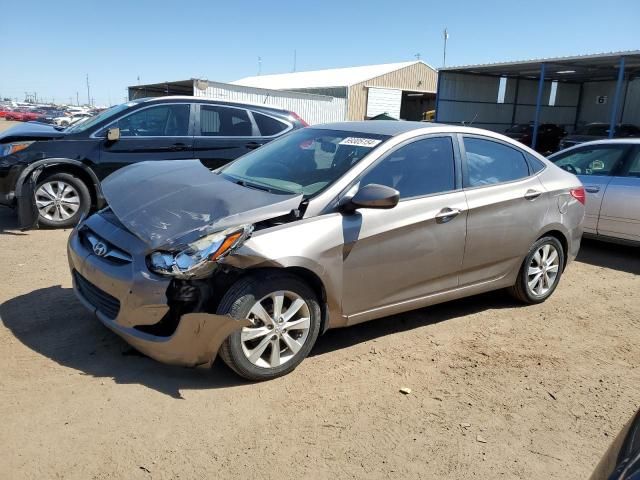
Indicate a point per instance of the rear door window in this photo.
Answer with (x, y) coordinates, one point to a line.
(269, 126)
(490, 162)
(218, 121)
(634, 164)
(602, 160)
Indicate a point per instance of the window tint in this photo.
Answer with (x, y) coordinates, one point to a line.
(490, 162)
(420, 168)
(159, 121)
(591, 161)
(268, 126)
(218, 121)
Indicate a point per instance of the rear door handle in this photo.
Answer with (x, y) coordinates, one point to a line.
(253, 145)
(447, 214)
(177, 147)
(532, 194)
(592, 188)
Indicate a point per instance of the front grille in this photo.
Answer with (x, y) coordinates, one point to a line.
(100, 299)
(109, 252)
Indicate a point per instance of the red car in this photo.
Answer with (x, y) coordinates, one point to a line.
(21, 116)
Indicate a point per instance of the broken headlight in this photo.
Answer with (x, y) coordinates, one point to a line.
(199, 258)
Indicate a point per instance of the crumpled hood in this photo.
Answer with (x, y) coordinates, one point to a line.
(173, 202)
(30, 131)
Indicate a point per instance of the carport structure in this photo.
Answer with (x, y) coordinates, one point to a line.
(567, 91)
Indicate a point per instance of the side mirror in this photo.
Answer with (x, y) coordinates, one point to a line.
(113, 134)
(374, 196)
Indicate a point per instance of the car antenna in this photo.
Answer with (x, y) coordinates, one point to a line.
(465, 124)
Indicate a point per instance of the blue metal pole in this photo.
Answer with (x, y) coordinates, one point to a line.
(536, 119)
(435, 119)
(616, 99)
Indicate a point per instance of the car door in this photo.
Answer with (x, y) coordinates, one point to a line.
(595, 166)
(620, 211)
(223, 133)
(416, 248)
(158, 132)
(507, 205)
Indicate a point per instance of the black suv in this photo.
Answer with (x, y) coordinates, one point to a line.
(53, 175)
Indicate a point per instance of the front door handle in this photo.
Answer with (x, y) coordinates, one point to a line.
(253, 145)
(447, 214)
(532, 194)
(592, 188)
(177, 147)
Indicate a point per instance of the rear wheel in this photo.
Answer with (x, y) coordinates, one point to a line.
(61, 199)
(285, 322)
(540, 271)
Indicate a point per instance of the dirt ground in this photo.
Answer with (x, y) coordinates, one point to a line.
(498, 390)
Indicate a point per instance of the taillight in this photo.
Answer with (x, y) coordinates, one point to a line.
(299, 118)
(578, 194)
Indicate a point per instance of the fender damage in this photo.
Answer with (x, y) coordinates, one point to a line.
(163, 206)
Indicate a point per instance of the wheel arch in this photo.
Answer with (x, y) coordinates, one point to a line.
(562, 238)
(304, 274)
(50, 166)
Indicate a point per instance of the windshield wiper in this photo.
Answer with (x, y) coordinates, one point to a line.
(244, 183)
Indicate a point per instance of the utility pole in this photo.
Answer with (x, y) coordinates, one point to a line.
(88, 91)
(77, 99)
(295, 54)
(259, 65)
(417, 55)
(444, 52)
(138, 79)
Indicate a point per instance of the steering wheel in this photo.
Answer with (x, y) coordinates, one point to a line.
(570, 168)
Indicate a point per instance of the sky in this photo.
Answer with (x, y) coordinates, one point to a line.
(49, 47)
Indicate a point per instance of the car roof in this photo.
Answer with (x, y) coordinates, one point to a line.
(187, 98)
(379, 127)
(612, 141)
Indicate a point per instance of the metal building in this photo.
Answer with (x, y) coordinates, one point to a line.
(566, 91)
(399, 90)
(313, 108)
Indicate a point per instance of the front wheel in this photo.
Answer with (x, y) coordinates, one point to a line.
(61, 199)
(285, 322)
(540, 271)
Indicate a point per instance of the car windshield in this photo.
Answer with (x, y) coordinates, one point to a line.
(305, 161)
(106, 114)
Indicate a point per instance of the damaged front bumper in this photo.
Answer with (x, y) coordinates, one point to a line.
(126, 296)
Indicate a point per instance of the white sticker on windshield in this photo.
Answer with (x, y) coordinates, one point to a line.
(360, 142)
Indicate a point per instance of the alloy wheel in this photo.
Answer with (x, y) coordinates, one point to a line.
(57, 200)
(543, 270)
(280, 327)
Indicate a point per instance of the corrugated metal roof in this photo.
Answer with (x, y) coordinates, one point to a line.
(573, 58)
(334, 77)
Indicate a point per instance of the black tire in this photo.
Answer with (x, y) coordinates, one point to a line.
(521, 290)
(83, 195)
(239, 300)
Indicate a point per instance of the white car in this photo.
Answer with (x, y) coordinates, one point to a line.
(71, 119)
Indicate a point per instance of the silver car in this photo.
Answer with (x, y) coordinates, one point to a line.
(610, 172)
(324, 228)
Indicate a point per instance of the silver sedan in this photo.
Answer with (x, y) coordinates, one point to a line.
(324, 228)
(610, 172)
